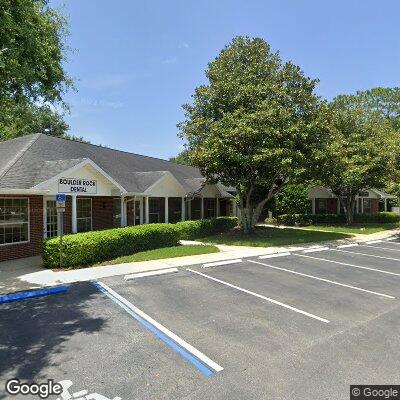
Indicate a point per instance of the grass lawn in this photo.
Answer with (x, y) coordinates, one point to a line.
(365, 229)
(268, 236)
(165, 252)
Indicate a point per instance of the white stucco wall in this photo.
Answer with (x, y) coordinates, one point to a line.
(168, 186)
(87, 172)
(319, 192)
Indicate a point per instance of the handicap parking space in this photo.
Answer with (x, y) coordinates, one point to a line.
(302, 325)
(84, 338)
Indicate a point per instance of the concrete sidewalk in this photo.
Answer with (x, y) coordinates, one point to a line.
(35, 277)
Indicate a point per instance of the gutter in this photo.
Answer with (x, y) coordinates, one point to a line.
(24, 191)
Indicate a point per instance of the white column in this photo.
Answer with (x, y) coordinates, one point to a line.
(313, 205)
(385, 205)
(123, 211)
(141, 211)
(146, 207)
(183, 209)
(217, 204)
(74, 222)
(202, 208)
(166, 209)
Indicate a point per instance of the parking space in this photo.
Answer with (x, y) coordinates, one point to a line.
(297, 325)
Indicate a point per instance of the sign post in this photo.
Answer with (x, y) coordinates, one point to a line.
(60, 206)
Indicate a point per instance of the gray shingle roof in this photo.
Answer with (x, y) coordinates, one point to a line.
(30, 160)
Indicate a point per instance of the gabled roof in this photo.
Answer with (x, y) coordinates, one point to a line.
(27, 161)
(383, 195)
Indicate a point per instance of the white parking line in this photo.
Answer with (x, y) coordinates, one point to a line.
(150, 273)
(380, 247)
(275, 255)
(324, 280)
(367, 255)
(372, 242)
(349, 265)
(198, 354)
(347, 245)
(218, 263)
(260, 296)
(316, 249)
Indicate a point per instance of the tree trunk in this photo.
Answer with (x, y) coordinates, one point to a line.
(350, 210)
(246, 219)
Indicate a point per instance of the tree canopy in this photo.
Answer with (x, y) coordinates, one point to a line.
(182, 158)
(254, 125)
(21, 118)
(32, 75)
(361, 152)
(32, 51)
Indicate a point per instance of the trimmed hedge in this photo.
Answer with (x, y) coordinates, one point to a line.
(336, 219)
(92, 247)
(189, 230)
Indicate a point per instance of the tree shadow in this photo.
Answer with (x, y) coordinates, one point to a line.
(34, 329)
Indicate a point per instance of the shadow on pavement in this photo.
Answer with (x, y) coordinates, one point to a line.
(34, 329)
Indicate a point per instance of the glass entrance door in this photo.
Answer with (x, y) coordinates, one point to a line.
(51, 219)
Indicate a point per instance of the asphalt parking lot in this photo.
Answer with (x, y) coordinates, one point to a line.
(302, 325)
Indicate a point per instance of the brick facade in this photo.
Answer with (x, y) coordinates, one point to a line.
(102, 213)
(33, 247)
(374, 206)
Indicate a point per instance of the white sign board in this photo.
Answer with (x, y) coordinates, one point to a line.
(77, 185)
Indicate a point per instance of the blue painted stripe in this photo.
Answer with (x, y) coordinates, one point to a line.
(185, 354)
(8, 298)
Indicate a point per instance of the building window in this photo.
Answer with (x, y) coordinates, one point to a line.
(210, 208)
(84, 214)
(116, 212)
(195, 206)
(51, 219)
(14, 220)
(154, 211)
(367, 206)
(174, 209)
(321, 206)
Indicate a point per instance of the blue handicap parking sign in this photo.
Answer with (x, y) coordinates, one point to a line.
(60, 197)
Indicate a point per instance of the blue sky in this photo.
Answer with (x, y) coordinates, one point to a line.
(136, 62)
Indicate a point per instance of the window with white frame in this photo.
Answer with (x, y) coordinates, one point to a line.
(51, 219)
(210, 208)
(84, 214)
(14, 220)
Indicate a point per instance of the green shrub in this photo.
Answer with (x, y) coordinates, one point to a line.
(336, 219)
(190, 230)
(380, 217)
(96, 246)
(293, 199)
(82, 249)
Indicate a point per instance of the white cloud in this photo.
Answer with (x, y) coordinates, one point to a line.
(184, 45)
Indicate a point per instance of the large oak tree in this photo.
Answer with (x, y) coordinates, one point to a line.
(256, 124)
